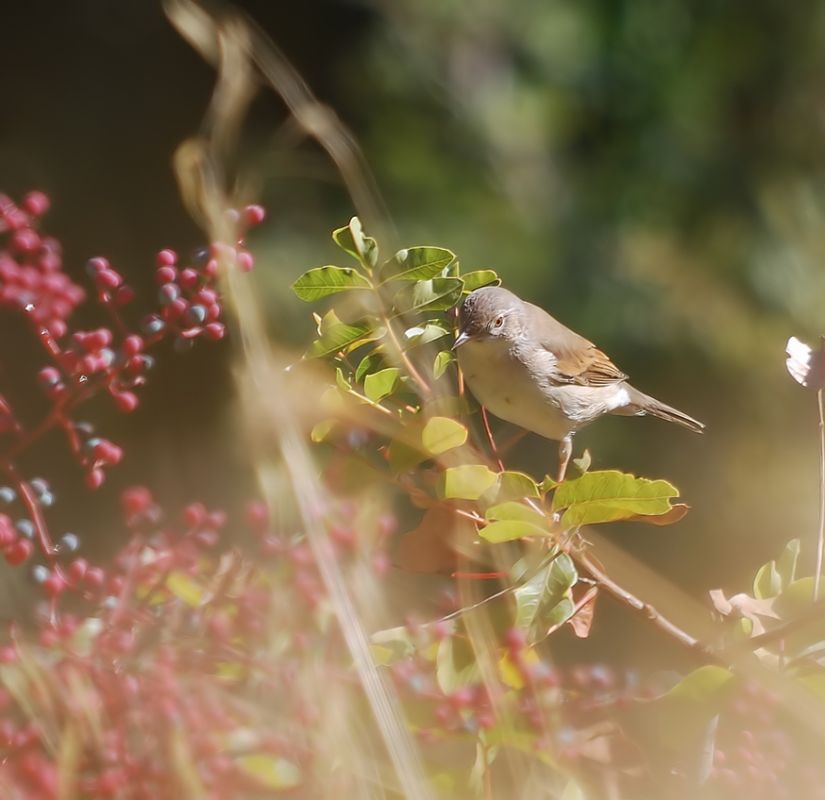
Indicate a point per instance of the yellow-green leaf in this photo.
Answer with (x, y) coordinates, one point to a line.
(381, 384)
(507, 530)
(441, 434)
(516, 511)
(185, 588)
(468, 481)
(442, 361)
(324, 281)
(515, 485)
(478, 278)
(337, 335)
(273, 772)
(611, 495)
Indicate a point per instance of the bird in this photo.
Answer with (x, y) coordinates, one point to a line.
(527, 368)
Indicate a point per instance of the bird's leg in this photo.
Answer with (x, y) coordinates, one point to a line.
(565, 451)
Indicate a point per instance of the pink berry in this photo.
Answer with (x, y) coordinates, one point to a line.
(254, 215)
(36, 203)
(166, 258)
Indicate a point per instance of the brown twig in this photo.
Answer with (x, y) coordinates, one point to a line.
(490, 439)
(820, 541)
(647, 610)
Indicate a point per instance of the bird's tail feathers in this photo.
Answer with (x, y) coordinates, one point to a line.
(641, 403)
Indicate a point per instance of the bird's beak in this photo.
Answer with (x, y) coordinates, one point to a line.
(461, 339)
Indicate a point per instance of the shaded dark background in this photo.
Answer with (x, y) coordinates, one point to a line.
(650, 170)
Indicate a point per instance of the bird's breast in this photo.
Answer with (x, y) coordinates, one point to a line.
(504, 385)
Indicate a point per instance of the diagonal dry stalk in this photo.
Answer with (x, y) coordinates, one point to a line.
(820, 539)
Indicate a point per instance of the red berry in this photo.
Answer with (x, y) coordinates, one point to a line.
(17, 552)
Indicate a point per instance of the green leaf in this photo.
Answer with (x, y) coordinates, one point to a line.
(707, 684)
(442, 361)
(404, 457)
(367, 364)
(438, 294)
(424, 334)
(467, 482)
(390, 645)
(340, 380)
(478, 278)
(381, 384)
(543, 601)
(337, 335)
(515, 486)
(455, 664)
(273, 772)
(767, 582)
(322, 430)
(611, 495)
(417, 263)
(583, 464)
(786, 563)
(441, 434)
(511, 510)
(508, 530)
(324, 281)
(351, 239)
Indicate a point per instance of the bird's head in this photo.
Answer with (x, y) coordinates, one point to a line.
(489, 313)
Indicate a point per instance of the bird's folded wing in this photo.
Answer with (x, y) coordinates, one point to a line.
(577, 360)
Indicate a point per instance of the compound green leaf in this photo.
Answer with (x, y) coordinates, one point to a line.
(611, 495)
(337, 335)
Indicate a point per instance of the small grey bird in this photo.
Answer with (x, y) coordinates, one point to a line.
(529, 369)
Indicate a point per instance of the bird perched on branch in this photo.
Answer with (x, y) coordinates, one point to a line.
(527, 368)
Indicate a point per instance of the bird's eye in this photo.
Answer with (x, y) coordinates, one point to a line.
(499, 321)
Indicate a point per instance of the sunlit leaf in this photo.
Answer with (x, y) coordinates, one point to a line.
(786, 563)
(767, 582)
(352, 240)
(273, 772)
(707, 684)
(456, 665)
(337, 335)
(322, 430)
(677, 513)
(391, 644)
(515, 486)
(509, 530)
(478, 278)
(417, 263)
(438, 294)
(511, 510)
(611, 495)
(543, 602)
(324, 281)
(185, 588)
(424, 334)
(468, 481)
(511, 673)
(441, 434)
(442, 361)
(381, 384)
(583, 464)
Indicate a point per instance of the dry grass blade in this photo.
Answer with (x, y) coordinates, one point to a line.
(228, 43)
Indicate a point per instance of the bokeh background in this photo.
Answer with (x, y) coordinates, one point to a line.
(651, 171)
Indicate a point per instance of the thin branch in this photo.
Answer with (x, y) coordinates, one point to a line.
(491, 440)
(647, 610)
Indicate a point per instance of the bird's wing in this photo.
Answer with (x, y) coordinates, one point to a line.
(578, 360)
